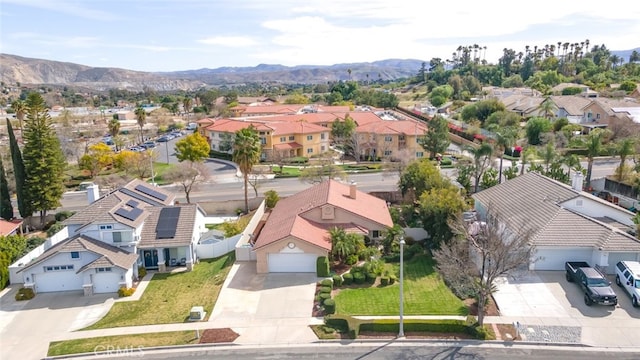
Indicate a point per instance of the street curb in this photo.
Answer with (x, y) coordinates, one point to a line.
(153, 348)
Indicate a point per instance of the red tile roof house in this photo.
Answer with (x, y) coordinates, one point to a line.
(102, 246)
(296, 232)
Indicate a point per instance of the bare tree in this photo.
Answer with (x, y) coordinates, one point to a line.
(324, 171)
(495, 249)
(399, 161)
(188, 174)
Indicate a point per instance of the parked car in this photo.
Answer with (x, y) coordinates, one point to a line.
(597, 289)
(136, 148)
(149, 144)
(628, 278)
(163, 138)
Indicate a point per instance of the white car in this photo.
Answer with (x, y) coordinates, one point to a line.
(628, 277)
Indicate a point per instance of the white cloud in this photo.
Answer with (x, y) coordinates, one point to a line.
(67, 7)
(230, 41)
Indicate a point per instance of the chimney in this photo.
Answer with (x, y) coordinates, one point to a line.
(353, 189)
(577, 181)
(93, 193)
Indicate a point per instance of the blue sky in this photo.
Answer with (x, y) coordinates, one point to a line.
(163, 35)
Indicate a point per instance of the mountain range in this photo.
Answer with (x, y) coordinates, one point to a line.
(23, 70)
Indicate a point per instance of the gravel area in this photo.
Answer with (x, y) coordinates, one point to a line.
(550, 334)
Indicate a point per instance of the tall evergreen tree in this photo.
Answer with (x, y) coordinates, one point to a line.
(44, 162)
(436, 139)
(18, 172)
(6, 209)
(246, 153)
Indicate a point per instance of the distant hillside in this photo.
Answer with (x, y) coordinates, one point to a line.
(624, 54)
(38, 71)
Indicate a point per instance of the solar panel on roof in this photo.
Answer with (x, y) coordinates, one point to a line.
(148, 191)
(167, 223)
(130, 215)
(133, 203)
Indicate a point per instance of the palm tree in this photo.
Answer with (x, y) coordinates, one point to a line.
(20, 108)
(504, 139)
(481, 161)
(548, 108)
(572, 161)
(114, 129)
(186, 103)
(594, 146)
(548, 154)
(525, 155)
(141, 116)
(624, 148)
(246, 153)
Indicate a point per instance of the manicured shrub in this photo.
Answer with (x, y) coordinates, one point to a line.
(124, 292)
(371, 277)
(347, 278)
(326, 282)
(324, 296)
(329, 306)
(322, 266)
(337, 281)
(325, 289)
(351, 259)
(142, 272)
(359, 278)
(25, 294)
(63, 215)
(384, 280)
(392, 279)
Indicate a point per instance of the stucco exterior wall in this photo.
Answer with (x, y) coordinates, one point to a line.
(262, 254)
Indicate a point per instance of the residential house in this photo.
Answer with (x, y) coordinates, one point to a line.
(134, 226)
(599, 112)
(636, 92)
(567, 224)
(126, 115)
(523, 105)
(296, 231)
(9, 227)
(584, 90)
(570, 107)
(390, 139)
(500, 92)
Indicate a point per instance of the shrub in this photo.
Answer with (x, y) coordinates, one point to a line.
(329, 306)
(351, 259)
(142, 272)
(347, 278)
(25, 294)
(371, 277)
(324, 296)
(374, 266)
(325, 289)
(322, 266)
(359, 278)
(384, 280)
(53, 229)
(392, 279)
(124, 292)
(271, 198)
(326, 282)
(63, 215)
(340, 324)
(337, 281)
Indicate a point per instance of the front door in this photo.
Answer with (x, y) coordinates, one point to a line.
(150, 258)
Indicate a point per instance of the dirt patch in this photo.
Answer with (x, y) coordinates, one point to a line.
(225, 335)
(490, 309)
(414, 335)
(505, 329)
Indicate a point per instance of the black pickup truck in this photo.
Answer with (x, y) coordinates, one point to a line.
(596, 287)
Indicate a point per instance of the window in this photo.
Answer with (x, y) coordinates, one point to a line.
(117, 236)
(75, 255)
(263, 141)
(292, 137)
(322, 148)
(213, 146)
(598, 116)
(58, 268)
(323, 136)
(419, 154)
(401, 137)
(103, 269)
(388, 138)
(283, 139)
(106, 227)
(309, 137)
(375, 234)
(262, 132)
(387, 152)
(309, 150)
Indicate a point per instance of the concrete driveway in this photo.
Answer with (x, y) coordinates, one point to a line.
(27, 326)
(266, 308)
(546, 298)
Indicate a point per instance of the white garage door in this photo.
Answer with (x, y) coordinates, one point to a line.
(297, 262)
(58, 281)
(106, 282)
(615, 257)
(554, 259)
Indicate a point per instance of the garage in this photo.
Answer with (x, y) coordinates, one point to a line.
(554, 259)
(292, 262)
(106, 282)
(58, 281)
(615, 257)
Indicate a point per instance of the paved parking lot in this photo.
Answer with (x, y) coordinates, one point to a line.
(546, 298)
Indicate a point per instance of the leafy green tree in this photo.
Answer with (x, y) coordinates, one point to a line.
(594, 146)
(465, 172)
(6, 209)
(535, 128)
(345, 244)
(572, 162)
(246, 153)
(342, 131)
(271, 198)
(548, 108)
(324, 171)
(297, 98)
(390, 239)
(18, 173)
(436, 140)
(505, 138)
(141, 117)
(548, 155)
(489, 178)
(12, 247)
(44, 162)
(481, 162)
(194, 148)
(440, 94)
(624, 148)
(96, 159)
(503, 119)
(481, 110)
(437, 205)
(420, 176)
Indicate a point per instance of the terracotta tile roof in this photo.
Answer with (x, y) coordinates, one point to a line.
(535, 201)
(390, 127)
(233, 125)
(184, 234)
(109, 254)
(284, 128)
(288, 217)
(572, 104)
(271, 109)
(287, 146)
(9, 227)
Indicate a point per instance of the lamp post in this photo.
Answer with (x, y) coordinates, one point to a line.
(166, 144)
(401, 331)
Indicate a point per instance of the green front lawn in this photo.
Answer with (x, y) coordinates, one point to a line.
(425, 293)
(129, 345)
(169, 297)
